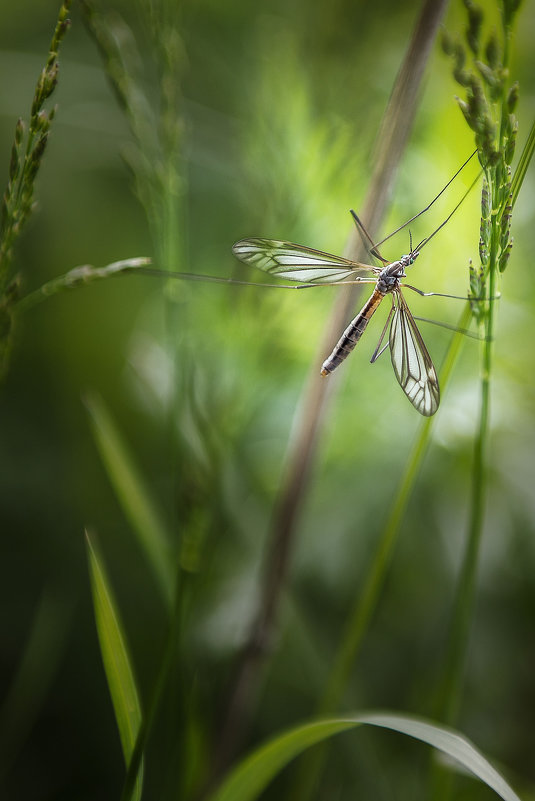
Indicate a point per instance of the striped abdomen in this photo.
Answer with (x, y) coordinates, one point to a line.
(352, 334)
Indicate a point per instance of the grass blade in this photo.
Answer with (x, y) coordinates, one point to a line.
(133, 496)
(117, 663)
(254, 773)
(448, 742)
(80, 276)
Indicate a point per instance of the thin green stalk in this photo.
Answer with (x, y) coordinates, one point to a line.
(462, 615)
(449, 703)
(366, 602)
(488, 110)
(467, 581)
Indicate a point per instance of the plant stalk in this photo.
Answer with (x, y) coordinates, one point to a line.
(463, 613)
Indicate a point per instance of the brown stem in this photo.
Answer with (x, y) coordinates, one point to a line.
(394, 132)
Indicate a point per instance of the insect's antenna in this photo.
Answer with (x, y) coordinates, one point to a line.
(450, 215)
(430, 204)
(366, 238)
(410, 240)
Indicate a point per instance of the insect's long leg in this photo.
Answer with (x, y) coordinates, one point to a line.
(450, 215)
(401, 227)
(443, 295)
(366, 238)
(378, 350)
(235, 281)
(458, 330)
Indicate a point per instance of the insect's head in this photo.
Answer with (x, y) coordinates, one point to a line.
(409, 258)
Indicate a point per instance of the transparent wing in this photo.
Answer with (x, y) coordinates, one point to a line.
(299, 263)
(411, 362)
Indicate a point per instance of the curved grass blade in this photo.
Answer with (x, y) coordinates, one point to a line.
(116, 659)
(253, 774)
(133, 496)
(79, 276)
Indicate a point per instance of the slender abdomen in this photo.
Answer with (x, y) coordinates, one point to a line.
(352, 334)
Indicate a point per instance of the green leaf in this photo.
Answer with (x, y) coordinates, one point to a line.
(117, 663)
(133, 496)
(252, 775)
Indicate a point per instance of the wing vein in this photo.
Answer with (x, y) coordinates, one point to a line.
(411, 361)
(299, 263)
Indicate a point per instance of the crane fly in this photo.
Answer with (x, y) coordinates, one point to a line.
(411, 361)
(410, 358)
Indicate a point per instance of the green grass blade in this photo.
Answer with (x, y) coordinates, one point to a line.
(117, 663)
(448, 742)
(133, 496)
(254, 773)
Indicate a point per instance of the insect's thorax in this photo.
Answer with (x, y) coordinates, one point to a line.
(391, 275)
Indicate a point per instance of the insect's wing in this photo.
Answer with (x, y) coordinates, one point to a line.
(411, 362)
(299, 263)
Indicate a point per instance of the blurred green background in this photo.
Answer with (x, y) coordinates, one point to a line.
(281, 106)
